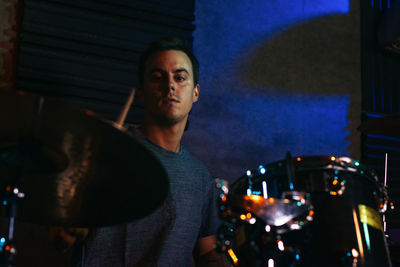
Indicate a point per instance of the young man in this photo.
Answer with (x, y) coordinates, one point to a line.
(184, 226)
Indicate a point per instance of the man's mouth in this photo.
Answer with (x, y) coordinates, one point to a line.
(172, 99)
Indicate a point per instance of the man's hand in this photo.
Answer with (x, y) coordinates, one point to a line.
(205, 253)
(64, 238)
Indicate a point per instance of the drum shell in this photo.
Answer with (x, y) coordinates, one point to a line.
(336, 228)
(336, 223)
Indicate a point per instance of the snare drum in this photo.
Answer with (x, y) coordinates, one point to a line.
(306, 211)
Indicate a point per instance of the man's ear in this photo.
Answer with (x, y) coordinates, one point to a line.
(196, 92)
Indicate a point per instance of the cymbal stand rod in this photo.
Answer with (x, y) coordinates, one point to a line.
(290, 170)
(385, 185)
(386, 159)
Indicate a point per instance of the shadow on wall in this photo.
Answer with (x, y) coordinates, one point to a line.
(296, 90)
(318, 57)
(308, 58)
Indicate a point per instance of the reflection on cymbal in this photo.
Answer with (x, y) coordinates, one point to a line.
(75, 168)
(389, 125)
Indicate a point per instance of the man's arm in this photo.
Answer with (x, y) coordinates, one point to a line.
(205, 253)
(63, 238)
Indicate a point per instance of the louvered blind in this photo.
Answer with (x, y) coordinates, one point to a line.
(87, 51)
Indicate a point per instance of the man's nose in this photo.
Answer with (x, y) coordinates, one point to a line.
(171, 84)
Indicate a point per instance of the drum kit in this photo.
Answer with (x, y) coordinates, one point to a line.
(308, 211)
(65, 166)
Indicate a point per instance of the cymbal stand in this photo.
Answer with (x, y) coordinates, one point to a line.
(9, 197)
(16, 158)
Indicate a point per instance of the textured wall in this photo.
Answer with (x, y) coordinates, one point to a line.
(3, 25)
(10, 15)
(275, 76)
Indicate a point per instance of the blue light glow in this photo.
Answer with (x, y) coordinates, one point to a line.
(261, 169)
(252, 21)
(383, 137)
(2, 242)
(385, 148)
(373, 115)
(261, 122)
(302, 116)
(249, 192)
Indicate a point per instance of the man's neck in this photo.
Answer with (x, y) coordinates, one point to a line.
(168, 137)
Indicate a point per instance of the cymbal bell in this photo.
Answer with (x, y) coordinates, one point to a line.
(74, 168)
(389, 125)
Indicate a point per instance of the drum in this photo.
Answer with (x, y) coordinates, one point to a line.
(304, 211)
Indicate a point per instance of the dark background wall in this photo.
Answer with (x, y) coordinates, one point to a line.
(275, 76)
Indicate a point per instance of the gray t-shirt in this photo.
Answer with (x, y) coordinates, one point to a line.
(168, 235)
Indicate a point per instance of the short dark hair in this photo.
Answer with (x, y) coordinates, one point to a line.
(168, 43)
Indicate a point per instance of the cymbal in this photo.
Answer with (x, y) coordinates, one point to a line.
(389, 125)
(74, 168)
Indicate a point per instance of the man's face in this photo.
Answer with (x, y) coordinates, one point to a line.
(168, 89)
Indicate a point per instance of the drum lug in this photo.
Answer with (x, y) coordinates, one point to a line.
(336, 185)
(222, 190)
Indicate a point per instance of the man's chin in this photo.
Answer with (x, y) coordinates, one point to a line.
(172, 119)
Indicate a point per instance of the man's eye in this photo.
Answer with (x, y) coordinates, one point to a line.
(156, 77)
(180, 78)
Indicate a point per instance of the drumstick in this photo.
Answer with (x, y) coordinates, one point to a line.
(121, 118)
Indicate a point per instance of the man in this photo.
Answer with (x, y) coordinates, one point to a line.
(184, 226)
